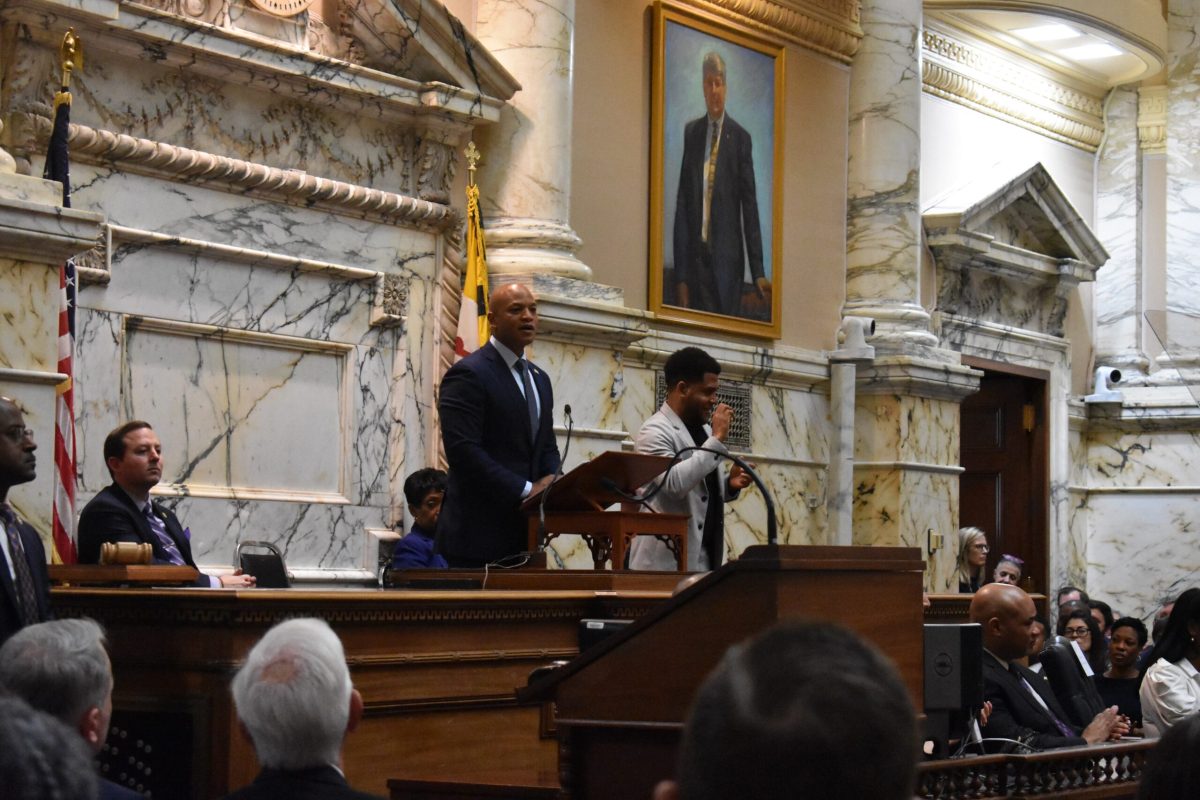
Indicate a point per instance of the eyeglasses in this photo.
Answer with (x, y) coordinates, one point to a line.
(1076, 633)
(979, 547)
(18, 433)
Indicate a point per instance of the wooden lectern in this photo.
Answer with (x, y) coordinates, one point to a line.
(620, 706)
(577, 503)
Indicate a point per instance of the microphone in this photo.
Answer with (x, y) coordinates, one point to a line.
(557, 474)
(772, 533)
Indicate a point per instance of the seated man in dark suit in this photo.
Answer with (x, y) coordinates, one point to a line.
(62, 669)
(803, 710)
(124, 512)
(296, 703)
(24, 584)
(1024, 709)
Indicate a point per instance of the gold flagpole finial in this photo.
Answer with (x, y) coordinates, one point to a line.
(71, 56)
(473, 156)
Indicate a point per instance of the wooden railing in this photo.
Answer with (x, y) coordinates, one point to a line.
(1102, 771)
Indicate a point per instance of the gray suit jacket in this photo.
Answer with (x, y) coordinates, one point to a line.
(664, 434)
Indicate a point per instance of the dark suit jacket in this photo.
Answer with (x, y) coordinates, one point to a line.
(485, 432)
(1017, 715)
(115, 791)
(734, 232)
(35, 556)
(112, 516)
(317, 783)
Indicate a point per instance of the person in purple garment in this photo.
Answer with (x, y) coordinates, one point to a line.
(423, 490)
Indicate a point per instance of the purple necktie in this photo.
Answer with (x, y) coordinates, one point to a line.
(164, 538)
(26, 597)
(1063, 728)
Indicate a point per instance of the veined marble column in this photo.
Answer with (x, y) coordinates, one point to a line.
(1183, 157)
(1119, 300)
(525, 174)
(883, 240)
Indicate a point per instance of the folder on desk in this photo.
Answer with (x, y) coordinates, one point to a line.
(589, 487)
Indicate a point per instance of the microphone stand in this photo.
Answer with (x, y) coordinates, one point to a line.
(772, 531)
(557, 474)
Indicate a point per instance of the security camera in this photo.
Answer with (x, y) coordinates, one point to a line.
(1102, 392)
(852, 336)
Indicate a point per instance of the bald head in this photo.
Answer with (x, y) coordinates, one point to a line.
(512, 314)
(1006, 614)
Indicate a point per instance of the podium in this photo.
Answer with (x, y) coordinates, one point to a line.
(577, 502)
(620, 706)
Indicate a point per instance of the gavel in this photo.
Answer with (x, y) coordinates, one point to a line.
(126, 553)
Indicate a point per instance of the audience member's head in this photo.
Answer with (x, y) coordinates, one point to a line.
(133, 455)
(1103, 613)
(1160, 620)
(1039, 629)
(40, 757)
(62, 668)
(1178, 640)
(294, 698)
(1006, 615)
(1128, 637)
(1008, 570)
(424, 491)
(1081, 627)
(1172, 770)
(802, 710)
(1068, 593)
(972, 556)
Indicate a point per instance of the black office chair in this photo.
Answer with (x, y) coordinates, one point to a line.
(1075, 691)
(267, 568)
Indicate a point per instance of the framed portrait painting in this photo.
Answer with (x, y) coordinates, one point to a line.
(716, 174)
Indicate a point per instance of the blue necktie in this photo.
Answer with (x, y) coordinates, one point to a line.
(164, 538)
(530, 399)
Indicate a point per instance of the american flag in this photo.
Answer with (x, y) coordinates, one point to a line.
(58, 169)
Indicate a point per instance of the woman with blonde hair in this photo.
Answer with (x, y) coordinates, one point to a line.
(972, 559)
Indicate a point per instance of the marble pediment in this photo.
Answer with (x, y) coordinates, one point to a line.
(1010, 249)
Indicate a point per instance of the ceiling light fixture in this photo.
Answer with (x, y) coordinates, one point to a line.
(1051, 32)
(1091, 52)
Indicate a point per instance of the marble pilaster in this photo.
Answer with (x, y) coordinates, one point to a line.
(525, 174)
(883, 219)
(1183, 159)
(1118, 296)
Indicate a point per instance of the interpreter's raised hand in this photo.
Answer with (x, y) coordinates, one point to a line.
(738, 478)
(722, 416)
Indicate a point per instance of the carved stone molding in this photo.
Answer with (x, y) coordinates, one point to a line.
(293, 187)
(971, 75)
(1152, 119)
(828, 27)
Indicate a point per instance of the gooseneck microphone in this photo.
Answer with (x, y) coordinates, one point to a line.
(772, 534)
(557, 474)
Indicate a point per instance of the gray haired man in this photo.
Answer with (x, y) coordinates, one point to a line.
(296, 704)
(62, 669)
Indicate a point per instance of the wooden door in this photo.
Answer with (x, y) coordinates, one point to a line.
(1003, 489)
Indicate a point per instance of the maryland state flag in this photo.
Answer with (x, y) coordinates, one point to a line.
(58, 169)
(473, 329)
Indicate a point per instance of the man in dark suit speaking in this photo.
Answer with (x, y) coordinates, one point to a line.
(124, 512)
(496, 411)
(24, 585)
(716, 213)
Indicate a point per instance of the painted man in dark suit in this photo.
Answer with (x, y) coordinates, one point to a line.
(716, 213)
(496, 410)
(1024, 708)
(124, 512)
(296, 704)
(24, 584)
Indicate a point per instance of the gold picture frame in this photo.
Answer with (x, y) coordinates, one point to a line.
(706, 198)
